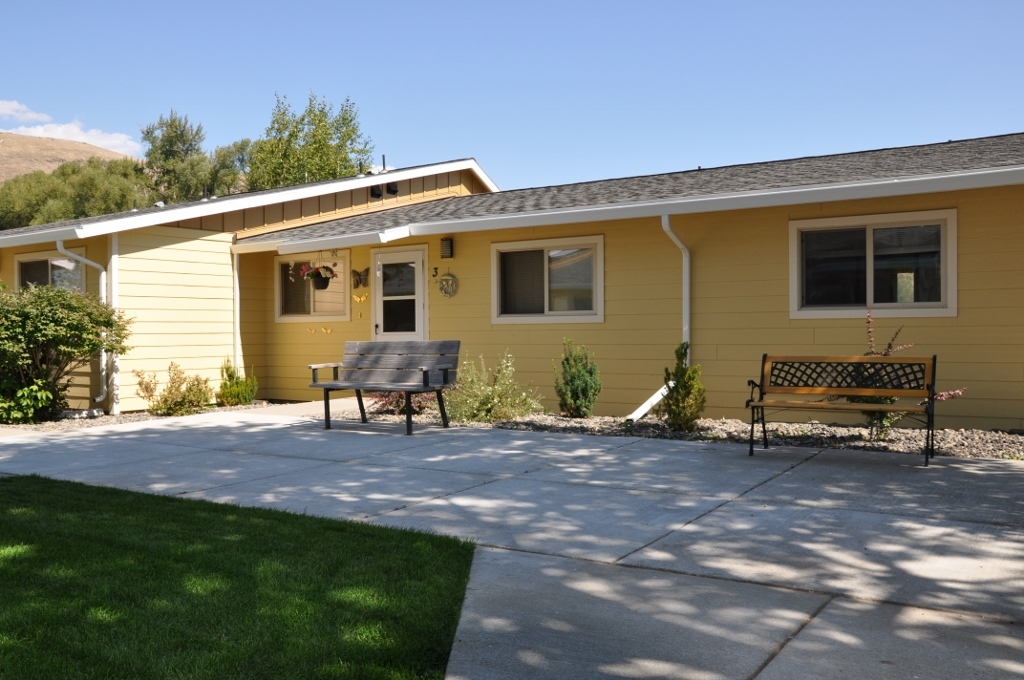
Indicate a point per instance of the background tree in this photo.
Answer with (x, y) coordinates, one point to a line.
(315, 145)
(181, 170)
(72, 191)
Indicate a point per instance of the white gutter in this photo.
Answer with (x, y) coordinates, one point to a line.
(686, 277)
(113, 277)
(103, 298)
(743, 200)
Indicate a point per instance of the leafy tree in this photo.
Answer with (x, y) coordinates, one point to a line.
(45, 334)
(181, 170)
(315, 145)
(74, 190)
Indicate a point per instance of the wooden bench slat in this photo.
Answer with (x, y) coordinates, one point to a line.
(840, 406)
(410, 367)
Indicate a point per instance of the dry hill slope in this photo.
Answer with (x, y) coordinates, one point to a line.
(20, 154)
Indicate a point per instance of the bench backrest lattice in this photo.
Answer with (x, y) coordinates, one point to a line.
(875, 376)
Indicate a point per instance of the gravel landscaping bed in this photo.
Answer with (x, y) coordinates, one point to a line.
(956, 443)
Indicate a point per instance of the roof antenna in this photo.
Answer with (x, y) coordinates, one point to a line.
(383, 163)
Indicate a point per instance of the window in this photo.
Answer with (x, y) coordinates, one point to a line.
(296, 297)
(556, 280)
(897, 265)
(51, 269)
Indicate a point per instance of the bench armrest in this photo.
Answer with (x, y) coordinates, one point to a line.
(316, 369)
(752, 384)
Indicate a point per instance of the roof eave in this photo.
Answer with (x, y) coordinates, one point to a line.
(865, 189)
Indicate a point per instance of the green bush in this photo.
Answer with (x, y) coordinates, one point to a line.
(580, 383)
(181, 396)
(684, 400)
(26, 402)
(234, 389)
(45, 334)
(480, 397)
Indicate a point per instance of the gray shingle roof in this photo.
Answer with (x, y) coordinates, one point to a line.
(912, 161)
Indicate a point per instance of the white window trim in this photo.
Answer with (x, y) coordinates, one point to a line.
(948, 307)
(344, 261)
(597, 316)
(48, 255)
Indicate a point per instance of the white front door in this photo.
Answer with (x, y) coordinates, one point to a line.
(398, 296)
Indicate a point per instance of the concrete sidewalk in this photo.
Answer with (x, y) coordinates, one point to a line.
(628, 558)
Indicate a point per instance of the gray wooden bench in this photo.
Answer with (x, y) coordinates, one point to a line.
(409, 367)
(815, 383)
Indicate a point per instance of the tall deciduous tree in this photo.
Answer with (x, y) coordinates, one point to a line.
(181, 170)
(72, 191)
(314, 145)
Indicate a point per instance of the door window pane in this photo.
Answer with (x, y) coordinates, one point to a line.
(907, 264)
(571, 280)
(399, 316)
(834, 267)
(399, 279)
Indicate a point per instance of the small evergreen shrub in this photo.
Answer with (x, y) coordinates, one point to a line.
(580, 383)
(684, 401)
(234, 389)
(181, 396)
(480, 396)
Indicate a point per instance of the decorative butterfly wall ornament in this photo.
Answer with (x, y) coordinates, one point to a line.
(326, 330)
(360, 298)
(361, 279)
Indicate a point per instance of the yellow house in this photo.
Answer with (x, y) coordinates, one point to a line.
(784, 257)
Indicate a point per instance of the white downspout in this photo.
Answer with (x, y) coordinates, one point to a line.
(236, 305)
(103, 298)
(114, 301)
(655, 398)
(686, 278)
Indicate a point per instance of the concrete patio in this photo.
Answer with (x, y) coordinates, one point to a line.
(629, 558)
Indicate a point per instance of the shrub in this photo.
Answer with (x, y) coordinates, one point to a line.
(579, 385)
(479, 396)
(684, 400)
(25, 403)
(234, 389)
(181, 396)
(45, 334)
(879, 424)
(394, 402)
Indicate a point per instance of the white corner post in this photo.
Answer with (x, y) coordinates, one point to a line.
(236, 308)
(103, 298)
(114, 300)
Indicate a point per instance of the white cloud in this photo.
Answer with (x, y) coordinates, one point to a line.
(115, 141)
(21, 113)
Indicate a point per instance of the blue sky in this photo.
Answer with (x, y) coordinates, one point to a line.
(538, 92)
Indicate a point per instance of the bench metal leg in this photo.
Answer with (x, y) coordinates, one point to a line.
(440, 406)
(408, 413)
(327, 409)
(362, 409)
(756, 416)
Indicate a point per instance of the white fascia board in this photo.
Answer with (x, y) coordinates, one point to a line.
(216, 206)
(37, 237)
(261, 247)
(819, 193)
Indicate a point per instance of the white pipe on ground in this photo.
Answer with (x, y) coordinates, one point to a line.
(103, 298)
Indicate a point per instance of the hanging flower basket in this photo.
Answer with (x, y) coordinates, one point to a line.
(320, 275)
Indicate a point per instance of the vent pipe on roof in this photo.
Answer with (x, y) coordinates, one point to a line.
(103, 298)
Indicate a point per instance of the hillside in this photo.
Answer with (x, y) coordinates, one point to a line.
(20, 154)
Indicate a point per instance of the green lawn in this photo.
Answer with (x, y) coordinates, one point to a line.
(102, 583)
